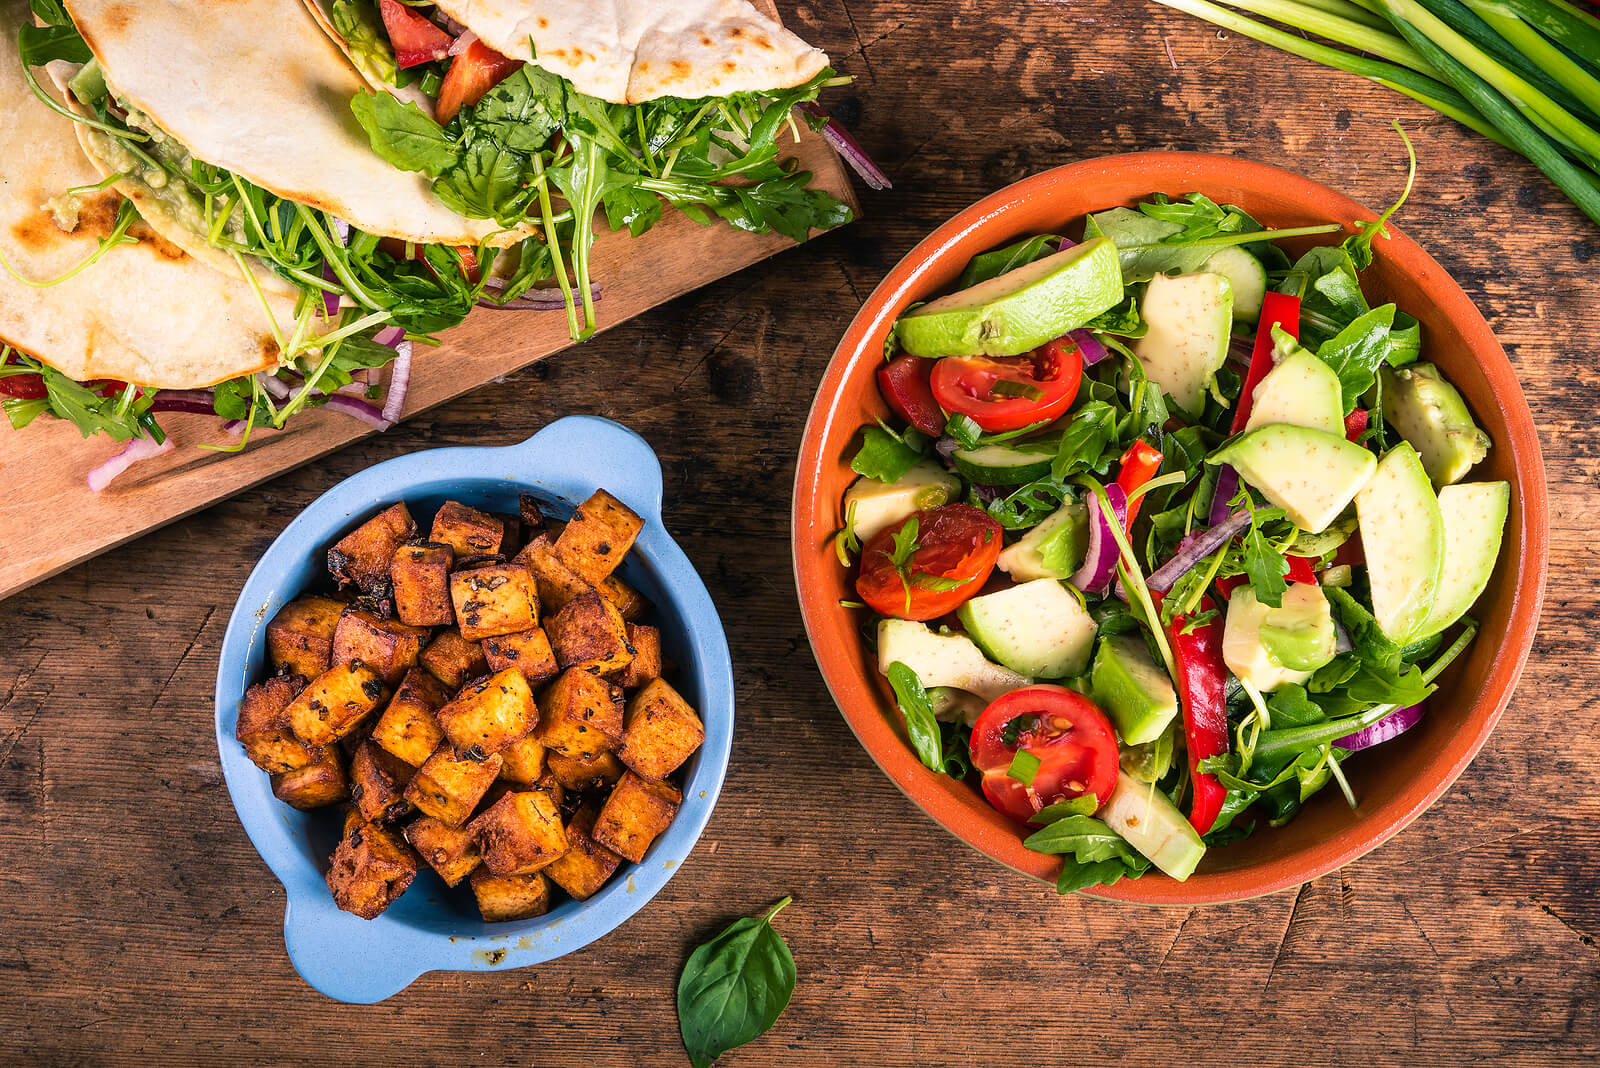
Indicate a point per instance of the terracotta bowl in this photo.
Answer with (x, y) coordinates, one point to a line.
(1394, 783)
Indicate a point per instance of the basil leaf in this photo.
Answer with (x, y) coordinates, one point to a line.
(734, 988)
(401, 133)
(1092, 853)
(883, 456)
(921, 727)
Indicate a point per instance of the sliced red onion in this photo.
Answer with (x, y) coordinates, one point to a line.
(1196, 547)
(461, 43)
(192, 401)
(946, 447)
(274, 386)
(1222, 499)
(390, 336)
(399, 383)
(449, 25)
(357, 408)
(1100, 560)
(1241, 350)
(1393, 725)
(532, 300)
(1092, 348)
(233, 427)
(101, 475)
(849, 148)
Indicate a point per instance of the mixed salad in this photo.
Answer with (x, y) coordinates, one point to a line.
(1167, 525)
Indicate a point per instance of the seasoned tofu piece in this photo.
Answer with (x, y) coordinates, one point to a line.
(527, 650)
(520, 834)
(637, 811)
(512, 541)
(409, 727)
(371, 867)
(660, 731)
(421, 576)
(646, 662)
(598, 536)
(388, 646)
(531, 514)
(554, 581)
(601, 770)
(586, 865)
(522, 762)
(510, 897)
(589, 634)
(335, 703)
(300, 636)
(490, 714)
(449, 785)
(450, 851)
(630, 602)
(493, 600)
(313, 786)
(467, 531)
(263, 727)
(378, 781)
(453, 660)
(580, 715)
(364, 555)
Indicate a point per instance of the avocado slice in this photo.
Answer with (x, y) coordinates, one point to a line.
(1133, 689)
(1273, 647)
(951, 705)
(1402, 533)
(1036, 628)
(1300, 390)
(1430, 414)
(943, 660)
(1021, 309)
(1311, 474)
(880, 505)
(1053, 549)
(1247, 277)
(1154, 826)
(1189, 318)
(1474, 524)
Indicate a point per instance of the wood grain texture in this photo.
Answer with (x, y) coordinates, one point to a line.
(139, 923)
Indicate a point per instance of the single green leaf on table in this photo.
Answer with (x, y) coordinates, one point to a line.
(1092, 854)
(921, 726)
(734, 988)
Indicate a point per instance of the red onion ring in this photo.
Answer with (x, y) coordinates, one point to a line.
(1092, 348)
(357, 408)
(102, 474)
(399, 383)
(461, 43)
(849, 148)
(1393, 725)
(1100, 559)
(1196, 547)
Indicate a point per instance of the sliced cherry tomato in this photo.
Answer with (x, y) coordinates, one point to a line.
(1355, 424)
(1067, 733)
(955, 549)
(903, 381)
(415, 39)
(22, 387)
(1037, 387)
(1299, 571)
(471, 74)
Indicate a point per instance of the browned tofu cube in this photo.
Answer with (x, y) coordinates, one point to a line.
(489, 714)
(493, 600)
(409, 727)
(364, 555)
(512, 541)
(590, 635)
(555, 582)
(601, 770)
(335, 703)
(301, 635)
(558, 794)
(313, 786)
(387, 646)
(453, 660)
(580, 715)
(450, 851)
(449, 785)
(263, 727)
(586, 865)
(378, 781)
(660, 731)
(599, 535)
(520, 833)
(522, 761)
(636, 812)
(421, 577)
(467, 531)
(646, 662)
(510, 897)
(631, 604)
(527, 650)
(371, 867)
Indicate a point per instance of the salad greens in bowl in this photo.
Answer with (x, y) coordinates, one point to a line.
(1161, 523)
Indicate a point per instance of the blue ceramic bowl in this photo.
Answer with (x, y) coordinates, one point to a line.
(432, 927)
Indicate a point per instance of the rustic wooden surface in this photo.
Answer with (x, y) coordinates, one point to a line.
(140, 925)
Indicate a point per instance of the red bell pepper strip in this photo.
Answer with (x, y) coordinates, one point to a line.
(1299, 571)
(1137, 466)
(1277, 309)
(1202, 687)
(1355, 424)
(903, 381)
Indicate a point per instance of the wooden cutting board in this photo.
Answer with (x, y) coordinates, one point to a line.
(49, 519)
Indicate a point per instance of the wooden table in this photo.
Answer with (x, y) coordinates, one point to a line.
(138, 922)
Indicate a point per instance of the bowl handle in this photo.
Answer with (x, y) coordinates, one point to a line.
(579, 454)
(333, 952)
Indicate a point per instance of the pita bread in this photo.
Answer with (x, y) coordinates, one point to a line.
(145, 313)
(629, 51)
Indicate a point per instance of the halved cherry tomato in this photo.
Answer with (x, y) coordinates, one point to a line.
(956, 547)
(1067, 732)
(903, 381)
(471, 74)
(1043, 384)
(24, 387)
(415, 39)
(403, 250)
(1355, 424)
(1299, 571)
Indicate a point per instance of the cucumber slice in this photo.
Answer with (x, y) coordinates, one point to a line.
(1003, 465)
(1247, 276)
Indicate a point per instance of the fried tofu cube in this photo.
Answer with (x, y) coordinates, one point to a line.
(489, 714)
(409, 727)
(364, 555)
(494, 600)
(449, 784)
(313, 786)
(371, 867)
(580, 715)
(512, 540)
(467, 531)
(421, 578)
(646, 662)
(601, 770)
(631, 604)
(335, 703)
(453, 660)
(586, 865)
(589, 634)
(378, 781)
(520, 834)
(554, 581)
(450, 851)
(522, 762)
(263, 727)
(510, 897)
(660, 731)
(388, 646)
(300, 636)
(599, 535)
(637, 811)
(528, 651)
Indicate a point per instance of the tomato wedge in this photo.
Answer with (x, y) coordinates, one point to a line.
(1062, 729)
(415, 39)
(471, 74)
(903, 381)
(948, 560)
(1007, 393)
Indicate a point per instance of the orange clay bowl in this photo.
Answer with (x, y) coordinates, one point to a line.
(1394, 782)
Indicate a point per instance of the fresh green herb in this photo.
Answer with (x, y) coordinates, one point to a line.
(734, 987)
(1005, 387)
(846, 543)
(1092, 854)
(966, 432)
(987, 265)
(883, 455)
(921, 726)
(1082, 805)
(1356, 352)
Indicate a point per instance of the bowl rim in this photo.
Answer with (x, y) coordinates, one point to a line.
(906, 282)
(360, 961)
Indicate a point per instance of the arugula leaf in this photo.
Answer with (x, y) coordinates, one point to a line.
(905, 545)
(1264, 566)
(1027, 505)
(1142, 244)
(1332, 297)
(1368, 642)
(1405, 340)
(734, 987)
(1124, 320)
(39, 45)
(1088, 443)
(987, 265)
(1292, 706)
(921, 726)
(1092, 853)
(1356, 352)
(403, 134)
(883, 456)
